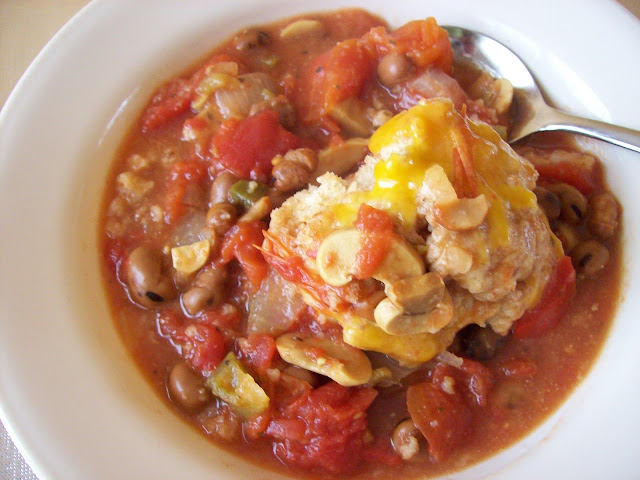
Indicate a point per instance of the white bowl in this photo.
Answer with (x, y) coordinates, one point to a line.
(69, 393)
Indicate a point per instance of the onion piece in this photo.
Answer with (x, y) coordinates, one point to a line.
(275, 306)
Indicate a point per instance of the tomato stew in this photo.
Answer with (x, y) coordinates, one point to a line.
(419, 309)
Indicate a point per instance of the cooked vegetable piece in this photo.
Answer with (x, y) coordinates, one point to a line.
(341, 362)
(245, 193)
(231, 383)
(191, 258)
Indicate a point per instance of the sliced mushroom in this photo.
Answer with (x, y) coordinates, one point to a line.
(258, 210)
(453, 213)
(337, 254)
(396, 321)
(417, 294)
(351, 115)
(299, 28)
(463, 214)
(342, 158)
(343, 363)
(191, 258)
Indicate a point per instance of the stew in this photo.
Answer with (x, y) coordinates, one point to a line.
(323, 256)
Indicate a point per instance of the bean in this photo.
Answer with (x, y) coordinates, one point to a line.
(548, 202)
(219, 192)
(573, 205)
(148, 280)
(393, 68)
(207, 290)
(589, 257)
(405, 439)
(295, 169)
(603, 219)
(187, 387)
(251, 38)
(221, 217)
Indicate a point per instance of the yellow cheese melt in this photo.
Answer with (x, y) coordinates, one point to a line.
(414, 140)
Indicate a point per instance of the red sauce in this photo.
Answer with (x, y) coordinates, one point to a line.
(157, 197)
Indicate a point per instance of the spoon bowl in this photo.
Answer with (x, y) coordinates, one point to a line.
(530, 112)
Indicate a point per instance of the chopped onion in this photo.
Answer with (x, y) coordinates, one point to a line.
(275, 306)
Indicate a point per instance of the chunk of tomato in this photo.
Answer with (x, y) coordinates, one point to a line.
(553, 304)
(240, 242)
(323, 429)
(334, 76)
(442, 418)
(246, 147)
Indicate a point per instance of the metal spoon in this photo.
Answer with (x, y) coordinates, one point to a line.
(532, 112)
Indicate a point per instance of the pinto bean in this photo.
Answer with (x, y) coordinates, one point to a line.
(589, 257)
(393, 68)
(294, 170)
(604, 213)
(221, 217)
(405, 439)
(207, 290)
(187, 387)
(219, 192)
(148, 279)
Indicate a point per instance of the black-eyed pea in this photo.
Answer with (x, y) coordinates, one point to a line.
(148, 278)
(589, 257)
(394, 68)
(573, 204)
(251, 38)
(207, 290)
(219, 192)
(221, 217)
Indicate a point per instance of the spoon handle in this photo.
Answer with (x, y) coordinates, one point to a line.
(621, 136)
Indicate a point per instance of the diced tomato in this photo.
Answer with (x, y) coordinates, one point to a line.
(323, 428)
(181, 174)
(442, 418)
(169, 101)
(332, 77)
(575, 168)
(240, 242)
(423, 41)
(553, 304)
(174, 98)
(204, 348)
(377, 237)
(472, 379)
(202, 345)
(518, 368)
(258, 352)
(246, 147)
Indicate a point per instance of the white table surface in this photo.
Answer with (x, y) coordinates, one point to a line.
(25, 27)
